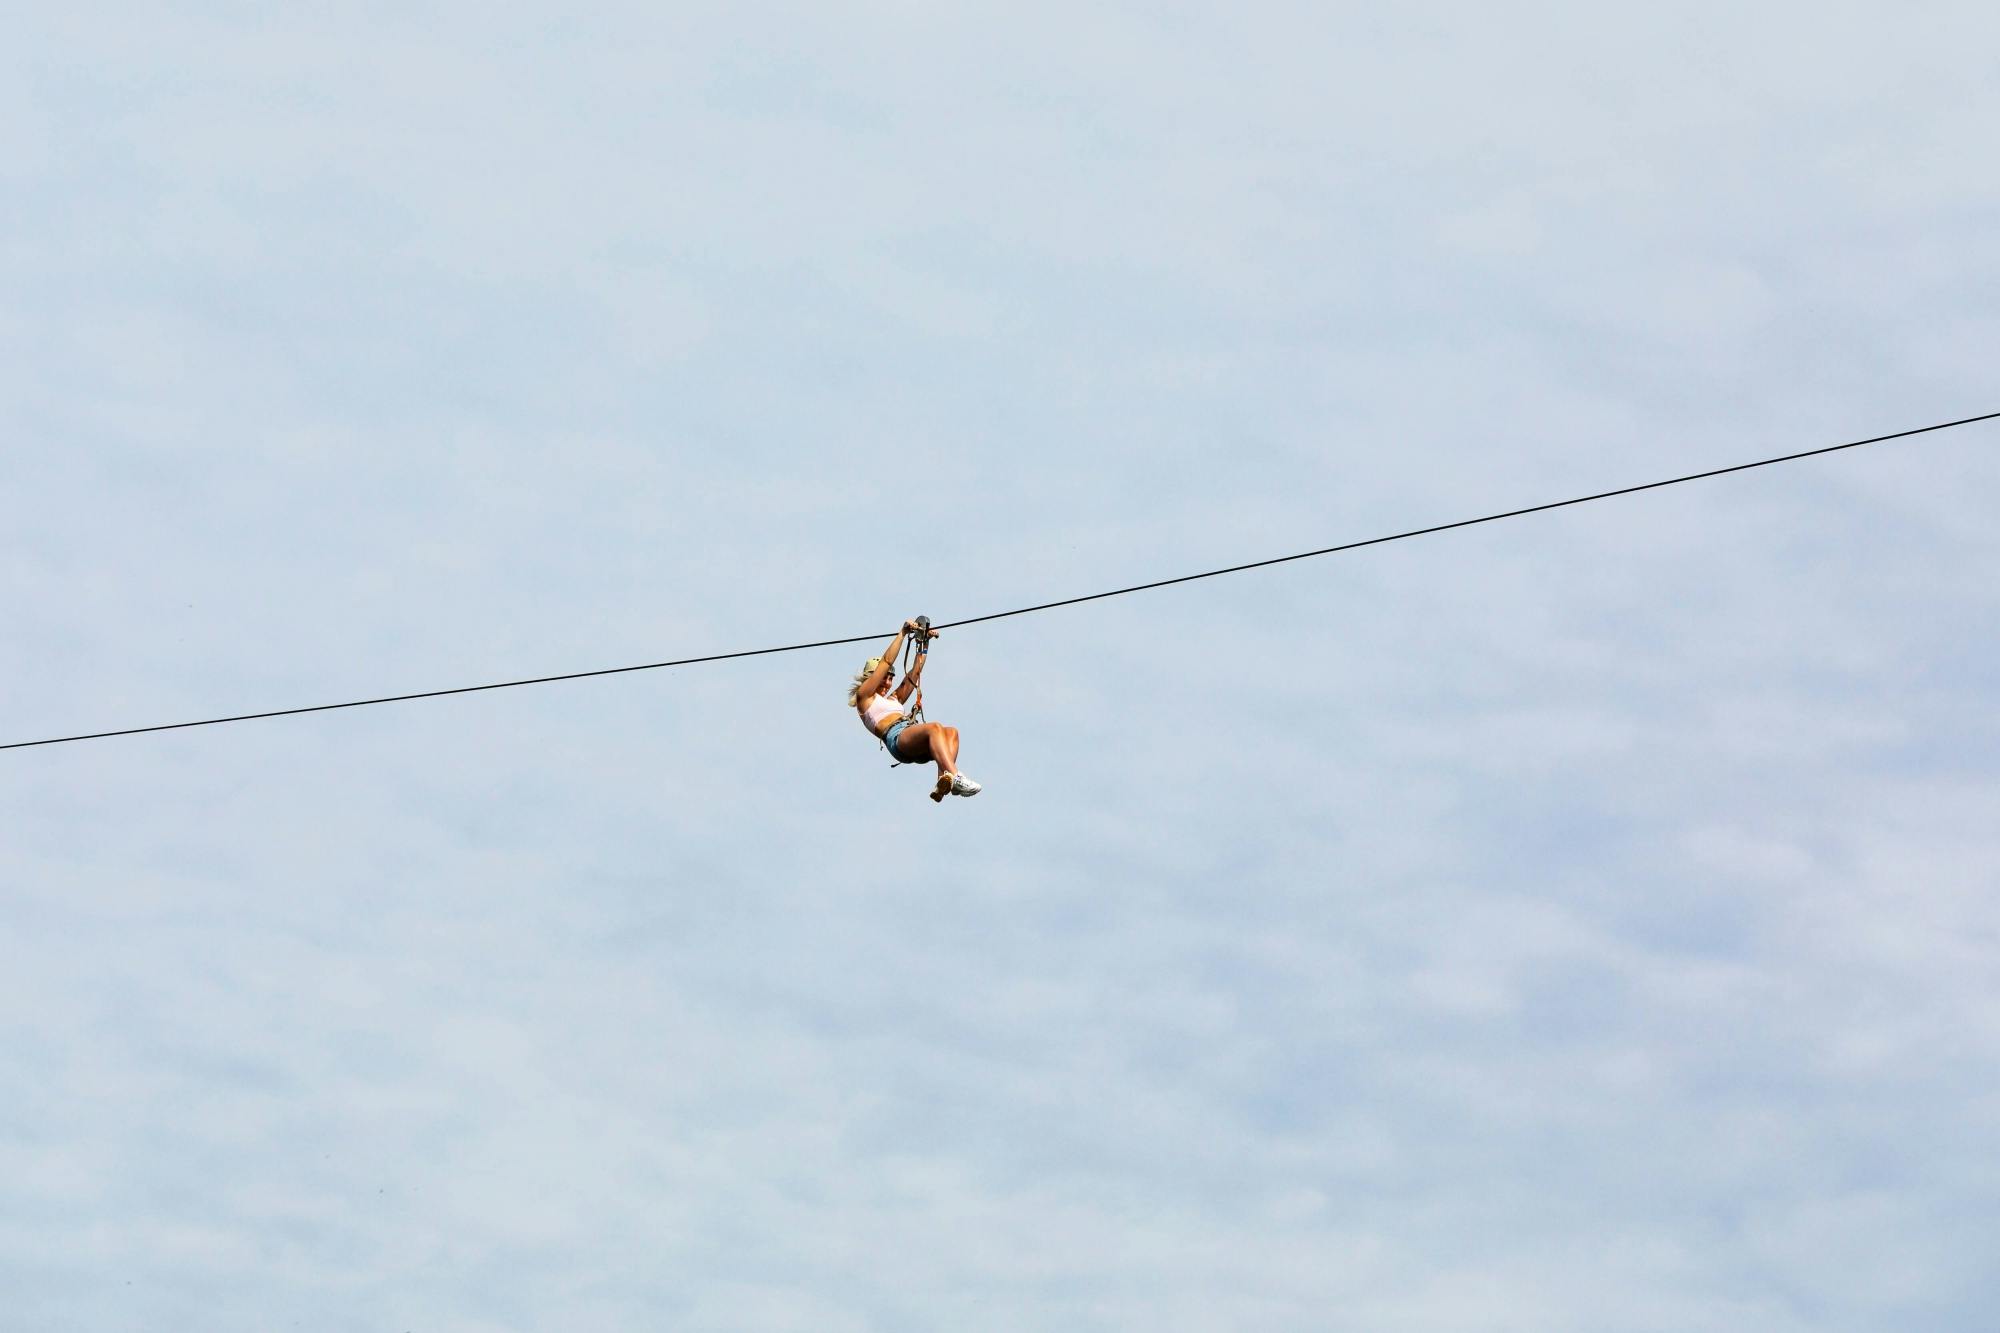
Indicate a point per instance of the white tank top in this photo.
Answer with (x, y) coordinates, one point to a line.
(880, 709)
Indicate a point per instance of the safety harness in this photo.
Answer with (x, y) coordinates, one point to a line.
(914, 647)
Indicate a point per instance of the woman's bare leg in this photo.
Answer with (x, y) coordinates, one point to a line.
(949, 778)
(941, 746)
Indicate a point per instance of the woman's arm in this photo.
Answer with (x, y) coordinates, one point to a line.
(909, 685)
(913, 683)
(873, 682)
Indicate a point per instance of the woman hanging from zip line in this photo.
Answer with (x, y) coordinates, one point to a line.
(883, 712)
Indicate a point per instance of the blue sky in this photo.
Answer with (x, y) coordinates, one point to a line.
(1581, 923)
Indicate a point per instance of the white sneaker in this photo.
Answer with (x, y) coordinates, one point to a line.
(962, 785)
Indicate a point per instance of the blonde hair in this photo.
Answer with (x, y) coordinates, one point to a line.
(868, 668)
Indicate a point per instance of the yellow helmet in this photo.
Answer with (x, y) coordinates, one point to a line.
(868, 668)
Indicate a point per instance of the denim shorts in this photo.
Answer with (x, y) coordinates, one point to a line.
(890, 736)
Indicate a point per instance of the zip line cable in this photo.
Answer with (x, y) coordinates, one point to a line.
(1019, 611)
(1469, 522)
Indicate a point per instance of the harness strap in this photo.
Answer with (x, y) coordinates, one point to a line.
(916, 644)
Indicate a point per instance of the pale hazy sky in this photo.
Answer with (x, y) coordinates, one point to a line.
(1590, 922)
